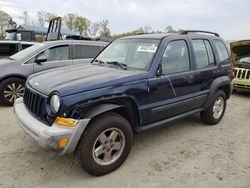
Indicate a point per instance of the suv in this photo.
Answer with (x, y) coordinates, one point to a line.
(8, 48)
(240, 51)
(42, 56)
(136, 83)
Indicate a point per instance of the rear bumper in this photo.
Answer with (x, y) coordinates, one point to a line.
(48, 137)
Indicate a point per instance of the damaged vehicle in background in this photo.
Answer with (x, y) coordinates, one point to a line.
(43, 56)
(240, 51)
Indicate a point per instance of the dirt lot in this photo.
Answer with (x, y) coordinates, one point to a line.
(182, 154)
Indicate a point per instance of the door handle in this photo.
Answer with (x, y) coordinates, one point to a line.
(189, 78)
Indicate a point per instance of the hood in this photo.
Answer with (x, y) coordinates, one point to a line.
(76, 79)
(240, 49)
(6, 60)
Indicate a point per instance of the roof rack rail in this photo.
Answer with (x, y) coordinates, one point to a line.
(184, 32)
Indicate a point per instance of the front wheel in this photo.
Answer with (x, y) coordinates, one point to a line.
(10, 90)
(216, 110)
(105, 144)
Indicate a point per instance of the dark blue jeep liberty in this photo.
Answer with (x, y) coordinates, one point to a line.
(134, 84)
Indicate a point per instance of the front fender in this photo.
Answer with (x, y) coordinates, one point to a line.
(101, 109)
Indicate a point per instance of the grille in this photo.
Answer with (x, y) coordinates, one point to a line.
(242, 73)
(35, 103)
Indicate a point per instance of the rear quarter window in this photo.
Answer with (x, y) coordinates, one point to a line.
(86, 51)
(24, 46)
(221, 49)
(8, 49)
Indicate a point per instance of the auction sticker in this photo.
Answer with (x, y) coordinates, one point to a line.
(151, 49)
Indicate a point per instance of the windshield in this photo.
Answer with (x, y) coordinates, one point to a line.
(10, 36)
(129, 54)
(26, 52)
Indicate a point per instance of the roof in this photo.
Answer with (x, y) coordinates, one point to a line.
(43, 30)
(55, 42)
(15, 42)
(160, 36)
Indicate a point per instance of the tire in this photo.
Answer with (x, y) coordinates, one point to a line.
(98, 136)
(211, 116)
(15, 85)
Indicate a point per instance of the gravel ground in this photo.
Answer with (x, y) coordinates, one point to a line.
(181, 154)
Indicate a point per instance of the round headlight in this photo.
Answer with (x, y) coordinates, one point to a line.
(55, 103)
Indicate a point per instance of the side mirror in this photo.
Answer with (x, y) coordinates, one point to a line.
(18, 37)
(41, 59)
(159, 71)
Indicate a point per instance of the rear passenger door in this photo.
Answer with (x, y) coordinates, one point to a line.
(83, 54)
(57, 56)
(206, 69)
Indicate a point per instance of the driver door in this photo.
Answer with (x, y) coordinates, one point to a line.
(57, 56)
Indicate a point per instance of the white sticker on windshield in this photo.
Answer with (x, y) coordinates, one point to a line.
(151, 49)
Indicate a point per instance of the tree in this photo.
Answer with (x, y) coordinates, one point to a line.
(69, 21)
(170, 29)
(41, 18)
(12, 23)
(147, 29)
(49, 16)
(81, 25)
(134, 32)
(4, 21)
(94, 28)
(25, 18)
(104, 30)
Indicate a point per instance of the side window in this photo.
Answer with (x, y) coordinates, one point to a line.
(86, 51)
(8, 49)
(58, 53)
(222, 52)
(26, 36)
(175, 58)
(25, 46)
(203, 53)
(32, 60)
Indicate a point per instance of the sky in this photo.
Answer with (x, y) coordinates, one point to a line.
(229, 18)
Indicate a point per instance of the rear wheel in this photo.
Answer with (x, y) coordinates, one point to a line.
(216, 110)
(105, 144)
(10, 90)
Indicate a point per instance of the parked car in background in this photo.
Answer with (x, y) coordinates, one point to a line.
(42, 56)
(240, 51)
(136, 83)
(8, 48)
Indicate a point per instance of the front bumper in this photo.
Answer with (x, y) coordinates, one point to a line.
(48, 137)
(241, 84)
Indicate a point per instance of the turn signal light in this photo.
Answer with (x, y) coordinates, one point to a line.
(68, 122)
(63, 142)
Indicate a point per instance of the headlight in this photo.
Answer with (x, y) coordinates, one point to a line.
(55, 103)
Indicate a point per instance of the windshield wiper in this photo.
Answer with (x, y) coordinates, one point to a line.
(121, 65)
(99, 62)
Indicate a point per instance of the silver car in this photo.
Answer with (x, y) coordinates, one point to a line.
(43, 56)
